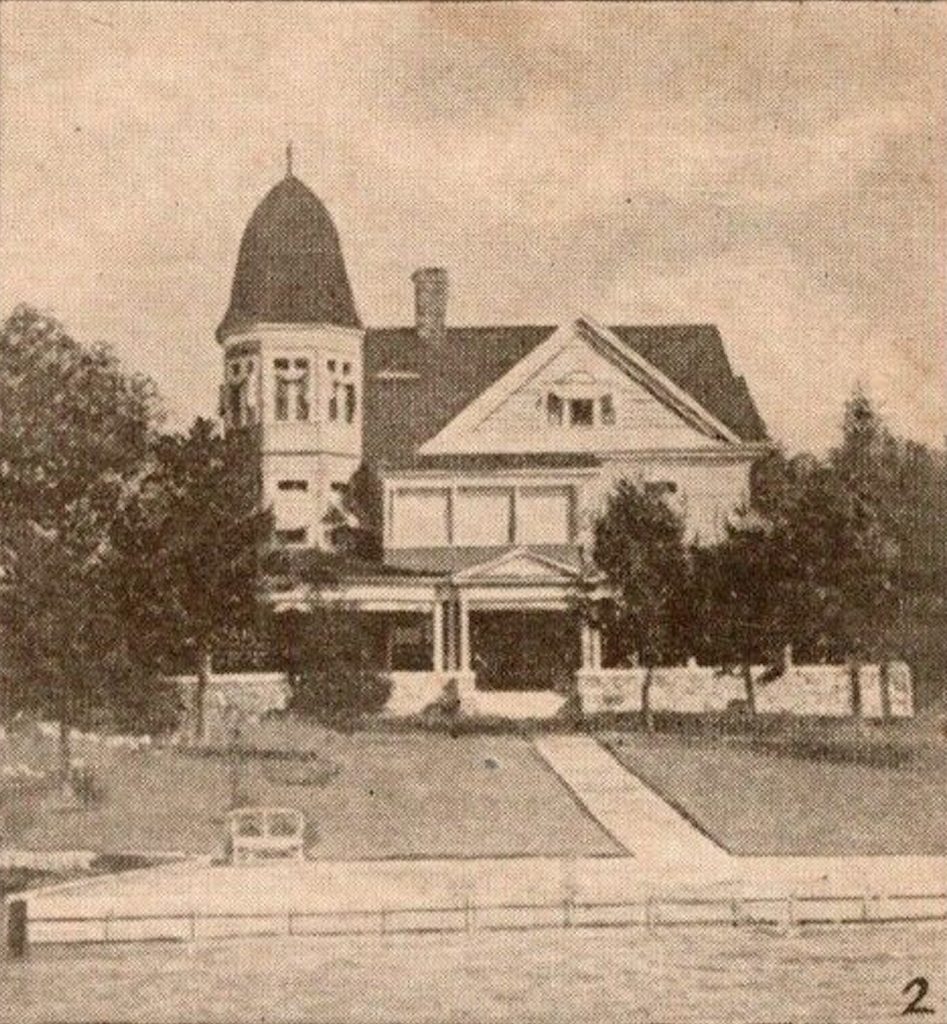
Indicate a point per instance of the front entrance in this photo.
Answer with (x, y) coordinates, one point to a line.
(524, 650)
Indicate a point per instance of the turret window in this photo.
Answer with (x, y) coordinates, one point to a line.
(235, 394)
(292, 389)
(343, 395)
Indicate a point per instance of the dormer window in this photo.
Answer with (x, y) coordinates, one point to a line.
(554, 408)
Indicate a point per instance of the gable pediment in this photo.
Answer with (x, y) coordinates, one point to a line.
(520, 563)
(581, 390)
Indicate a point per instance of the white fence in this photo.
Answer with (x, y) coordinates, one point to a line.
(786, 911)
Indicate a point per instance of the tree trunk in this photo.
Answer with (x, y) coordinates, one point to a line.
(750, 687)
(200, 694)
(65, 753)
(884, 688)
(646, 716)
(854, 679)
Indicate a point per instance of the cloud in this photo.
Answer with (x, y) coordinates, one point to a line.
(777, 168)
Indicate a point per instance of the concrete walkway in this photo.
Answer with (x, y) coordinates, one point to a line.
(660, 839)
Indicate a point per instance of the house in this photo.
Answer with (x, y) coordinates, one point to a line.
(488, 450)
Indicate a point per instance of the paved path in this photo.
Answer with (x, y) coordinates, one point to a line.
(660, 839)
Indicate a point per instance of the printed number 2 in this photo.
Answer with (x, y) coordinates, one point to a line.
(919, 986)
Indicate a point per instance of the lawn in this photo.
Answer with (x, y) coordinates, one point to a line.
(364, 795)
(758, 803)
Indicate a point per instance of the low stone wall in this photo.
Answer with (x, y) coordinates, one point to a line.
(258, 692)
(818, 690)
(822, 690)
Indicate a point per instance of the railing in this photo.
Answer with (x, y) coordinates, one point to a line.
(783, 911)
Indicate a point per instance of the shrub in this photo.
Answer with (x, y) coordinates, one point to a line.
(340, 697)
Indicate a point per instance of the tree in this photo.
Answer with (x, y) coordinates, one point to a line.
(639, 545)
(360, 534)
(737, 605)
(832, 567)
(901, 486)
(74, 432)
(187, 548)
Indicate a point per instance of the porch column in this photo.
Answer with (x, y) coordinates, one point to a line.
(464, 665)
(586, 645)
(450, 614)
(437, 627)
(595, 635)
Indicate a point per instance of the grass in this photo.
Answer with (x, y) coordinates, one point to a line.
(364, 795)
(770, 794)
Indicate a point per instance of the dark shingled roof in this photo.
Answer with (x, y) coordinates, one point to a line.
(290, 267)
(429, 385)
(326, 566)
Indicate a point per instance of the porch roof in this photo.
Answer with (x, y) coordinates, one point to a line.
(447, 561)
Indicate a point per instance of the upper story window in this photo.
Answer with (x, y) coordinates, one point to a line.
(481, 516)
(292, 389)
(293, 485)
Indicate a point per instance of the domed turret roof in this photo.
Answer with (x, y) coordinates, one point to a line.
(290, 267)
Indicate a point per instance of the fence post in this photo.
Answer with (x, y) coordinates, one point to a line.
(649, 912)
(384, 926)
(193, 925)
(735, 911)
(866, 916)
(567, 912)
(289, 922)
(468, 916)
(791, 909)
(17, 928)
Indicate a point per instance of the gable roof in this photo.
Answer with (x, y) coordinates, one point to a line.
(413, 389)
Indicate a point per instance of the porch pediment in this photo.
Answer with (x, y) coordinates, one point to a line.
(520, 564)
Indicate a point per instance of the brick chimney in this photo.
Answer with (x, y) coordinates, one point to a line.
(430, 303)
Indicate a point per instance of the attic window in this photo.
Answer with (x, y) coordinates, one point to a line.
(606, 409)
(581, 412)
(293, 485)
(584, 410)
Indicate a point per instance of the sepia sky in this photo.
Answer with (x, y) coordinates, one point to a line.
(777, 170)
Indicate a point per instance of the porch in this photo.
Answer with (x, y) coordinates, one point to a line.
(507, 632)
